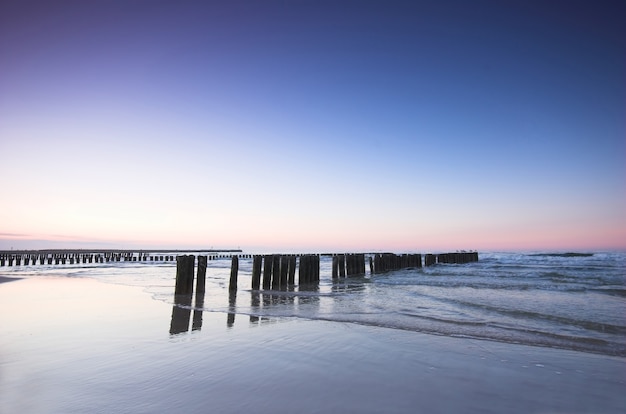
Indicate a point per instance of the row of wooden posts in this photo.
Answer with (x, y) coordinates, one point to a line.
(78, 258)
(277, 271)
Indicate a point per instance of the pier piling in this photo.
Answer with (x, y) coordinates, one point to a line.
(184, 274)
(234, 269)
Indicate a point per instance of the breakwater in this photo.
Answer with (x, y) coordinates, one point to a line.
(278, 271)
(63, 257)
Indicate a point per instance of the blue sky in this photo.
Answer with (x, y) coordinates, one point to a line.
(346, 125)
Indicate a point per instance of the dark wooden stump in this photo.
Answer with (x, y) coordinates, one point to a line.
(234, 269)
(201, 280)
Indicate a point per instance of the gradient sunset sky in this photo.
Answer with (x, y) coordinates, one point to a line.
(313, 125)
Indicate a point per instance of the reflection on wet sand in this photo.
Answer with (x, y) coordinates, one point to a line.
(197, 312)
(181, 313)
(232, 308)
(265, 306)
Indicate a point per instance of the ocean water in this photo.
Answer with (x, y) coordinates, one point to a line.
(541, 299)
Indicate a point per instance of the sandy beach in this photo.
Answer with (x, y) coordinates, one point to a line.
(76, 345)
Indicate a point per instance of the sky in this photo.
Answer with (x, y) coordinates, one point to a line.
(302, 125)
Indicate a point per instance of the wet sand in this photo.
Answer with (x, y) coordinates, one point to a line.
(4, 279)
(72, 345)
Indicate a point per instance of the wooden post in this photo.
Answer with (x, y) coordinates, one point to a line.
(276, 271)
(335, 267)
(317, 268)
(302, 271)
(256, 271)
(184, 274)
(201, 281)
(342, 265)
(284, 271)
(234, 269)
(268, 261)
(291, 280)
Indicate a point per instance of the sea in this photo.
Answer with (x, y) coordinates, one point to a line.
(573, 301)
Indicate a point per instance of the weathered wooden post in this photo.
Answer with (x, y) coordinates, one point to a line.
(303, 270)
(268, 262)
(234, 269)
(276, 271)
(316, 267)
(292, 270)
(335, 267)
(349, 263)
(284, 271)
(256, 271)
(184, 274)
(342, 265)
(201, 280)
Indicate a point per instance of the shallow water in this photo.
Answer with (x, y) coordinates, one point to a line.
(568, 302)
(72, 344)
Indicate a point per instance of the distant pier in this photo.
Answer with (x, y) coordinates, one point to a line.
(84, 256)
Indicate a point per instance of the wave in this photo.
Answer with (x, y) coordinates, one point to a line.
(568, 254)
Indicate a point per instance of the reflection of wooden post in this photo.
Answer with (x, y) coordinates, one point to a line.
(255, 301)
(232, 307)
(234, 269)
(181, 313)
(196, 324)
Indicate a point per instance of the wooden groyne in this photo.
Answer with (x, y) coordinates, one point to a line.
(278, 271)
(82, 256)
